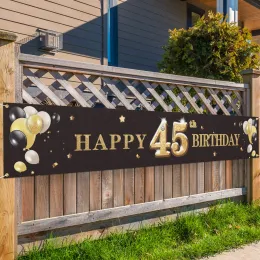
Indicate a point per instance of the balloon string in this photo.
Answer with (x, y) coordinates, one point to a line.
(6, 105)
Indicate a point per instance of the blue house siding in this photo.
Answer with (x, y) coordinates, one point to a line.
(143, 29)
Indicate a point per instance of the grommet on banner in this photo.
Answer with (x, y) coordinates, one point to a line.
(6, 106)
(5, 176)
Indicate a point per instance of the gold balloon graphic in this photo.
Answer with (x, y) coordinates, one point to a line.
(35, 124)
(251, 131)
(20, 167)
(20, 124)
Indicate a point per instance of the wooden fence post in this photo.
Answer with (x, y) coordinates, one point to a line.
(252, 77)
(8, 236)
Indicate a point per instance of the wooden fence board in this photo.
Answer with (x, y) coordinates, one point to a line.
(129, 186)
(222, 175)
(193, 178)
(149, 184)
(158, 179)
(95, 190)
(185, 180)
(83, 184)
(42, 198)
(27, 184)
(201, 177)
(56, 195)
(176, 179)
(235, 174)
(107, 189)
(229, 179)
(139, 185)
(208, 176)
(70, 188)
(118, 187)
(216, 176)
(167, 179)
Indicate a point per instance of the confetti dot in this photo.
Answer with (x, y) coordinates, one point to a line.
(72, 118)
(32, 172)
(69, 155)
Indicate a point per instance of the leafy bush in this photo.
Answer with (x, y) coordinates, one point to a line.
(213, 49)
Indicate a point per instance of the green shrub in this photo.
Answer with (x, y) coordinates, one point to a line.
(213, 49)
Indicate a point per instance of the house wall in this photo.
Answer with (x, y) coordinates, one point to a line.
(143, 29)
(79, 20)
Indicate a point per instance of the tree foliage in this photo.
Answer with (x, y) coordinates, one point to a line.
(213, 49)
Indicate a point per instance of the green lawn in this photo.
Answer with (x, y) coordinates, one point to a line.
(189, 237)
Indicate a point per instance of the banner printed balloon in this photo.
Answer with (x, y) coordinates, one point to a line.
(15, 113)
(18, 139)
(29, 111)
(20, 124)
(55, 118)
(46, 121)
(35, 124)
(20, 167)
(32, 157)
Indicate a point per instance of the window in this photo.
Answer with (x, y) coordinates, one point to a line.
(193, 14)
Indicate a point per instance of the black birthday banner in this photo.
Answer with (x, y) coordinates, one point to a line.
(41, 140)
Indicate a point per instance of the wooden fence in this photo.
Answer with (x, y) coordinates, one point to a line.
(65, 202)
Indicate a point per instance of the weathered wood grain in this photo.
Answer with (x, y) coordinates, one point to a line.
(158, 180)
(56, 195)
(167, 180)
(149, 184)
(118, 187)
(130, 210)
(95, 190)
(107, 189)
(185, 179)
(176, 179)
(83, 193)
(139, 185)
(129, 186)
(42, 197)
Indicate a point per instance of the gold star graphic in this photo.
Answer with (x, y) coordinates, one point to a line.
(69, 156)
(122, 119)
(215, 154)
(72, 118)
(138, 156)
(55, 165)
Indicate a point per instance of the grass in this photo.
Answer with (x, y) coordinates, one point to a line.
(189, 237)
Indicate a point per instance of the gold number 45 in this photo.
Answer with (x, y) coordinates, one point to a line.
(160, 144)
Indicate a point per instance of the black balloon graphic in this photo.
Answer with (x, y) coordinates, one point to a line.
(55, 118)
(18, 139)
(15, 113)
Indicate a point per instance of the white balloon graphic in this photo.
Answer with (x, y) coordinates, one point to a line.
(46, 120)
(32, 157)
(29, 110)
(249, 148)
(245, 127)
